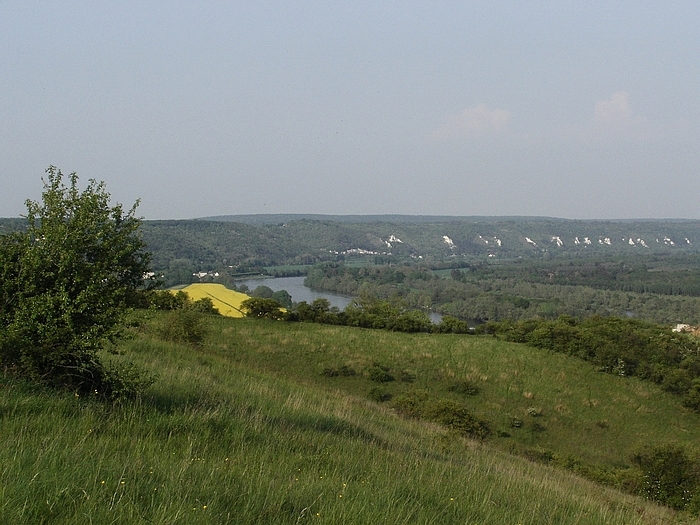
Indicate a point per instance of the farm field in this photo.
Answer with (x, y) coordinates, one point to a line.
(254, 425)
(227, 301)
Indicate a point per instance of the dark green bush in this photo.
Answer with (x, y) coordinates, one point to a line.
(410, 404)
(380, 374)
(456, 417)
(671, 477)
(183, 326)
(205, 306)
(451, 325)
(379, 395)
(260, 308)
(692, 397)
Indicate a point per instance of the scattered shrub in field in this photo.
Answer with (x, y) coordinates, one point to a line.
(671, 477)
(534, 411)
(457, 417)
(516, 422)
(126, 381)
(379, 395)
(677, 381)
(344, 371)
(182, 326)
(410, 404)
(165, 300)
(380, 374)
(466, 388)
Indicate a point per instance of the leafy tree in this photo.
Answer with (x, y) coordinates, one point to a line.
(67, 283)
(262, 308)
(282, 297)
(262, 291)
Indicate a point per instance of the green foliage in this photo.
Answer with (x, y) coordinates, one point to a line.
(67, 282)
(165, 300)
(456, 417)
(205, 306)
(518, 290)
(453, 415)
(380, 374)
(184, 325)
(671, 477)
(451, 325)
(368, 312)
(260, 308)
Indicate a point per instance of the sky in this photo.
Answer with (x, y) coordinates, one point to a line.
(580, 110)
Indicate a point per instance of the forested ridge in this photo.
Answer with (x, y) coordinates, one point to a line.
(212, 243)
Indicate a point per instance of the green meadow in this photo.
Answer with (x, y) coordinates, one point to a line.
(283, 423)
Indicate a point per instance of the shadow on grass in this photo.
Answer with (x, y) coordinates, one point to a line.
(324, 424)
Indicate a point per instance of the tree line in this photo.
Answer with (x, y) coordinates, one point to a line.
(480, 297)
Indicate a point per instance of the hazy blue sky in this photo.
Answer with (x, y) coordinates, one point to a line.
(557, 108)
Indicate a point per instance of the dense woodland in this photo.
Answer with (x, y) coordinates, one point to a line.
(527, 289)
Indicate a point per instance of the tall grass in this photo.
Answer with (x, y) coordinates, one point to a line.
(224, 438)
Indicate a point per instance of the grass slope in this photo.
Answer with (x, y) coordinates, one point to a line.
(244, 429)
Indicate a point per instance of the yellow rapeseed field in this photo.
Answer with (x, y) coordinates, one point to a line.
(226, 301)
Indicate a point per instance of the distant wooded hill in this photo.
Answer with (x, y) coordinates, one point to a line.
(297, 239)
(267, 240)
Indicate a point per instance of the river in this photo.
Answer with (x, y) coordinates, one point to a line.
(295, 287)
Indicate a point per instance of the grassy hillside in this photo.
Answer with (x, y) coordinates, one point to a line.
(253, 426)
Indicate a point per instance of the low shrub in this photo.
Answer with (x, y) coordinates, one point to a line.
(457, 417)
(410, 404)
(183, 326)
(379, 395)
(671, 477)
(380, 374)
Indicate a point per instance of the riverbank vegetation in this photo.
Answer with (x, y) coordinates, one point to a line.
(520, 290)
